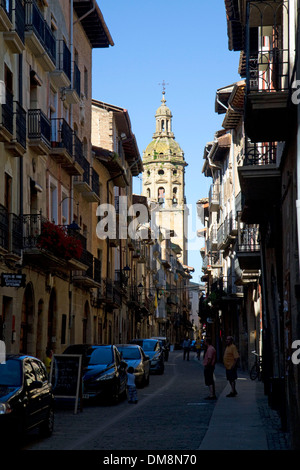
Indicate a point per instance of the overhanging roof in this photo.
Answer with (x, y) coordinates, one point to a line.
(91, 18)
(113, 165)
(235, 29)
(131, 151)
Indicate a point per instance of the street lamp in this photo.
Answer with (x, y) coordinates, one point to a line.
(126, 273)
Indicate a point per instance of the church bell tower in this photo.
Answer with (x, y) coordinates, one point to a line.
(164, 178)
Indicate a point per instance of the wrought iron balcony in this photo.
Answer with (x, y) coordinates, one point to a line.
(39, 131)
(39, 37)
(10, 234)
(259, 178)
(5, 15)
(73, 93)
(248, 247)
(14, 121)
(49, 245)
(61, 76)
(7, 118)
(62, 146)
(14, 36)
(91, 277)
(268, 110)
(214, 197)
(61, 135)
(88, 183)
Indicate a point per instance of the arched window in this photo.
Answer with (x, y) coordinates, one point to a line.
(161, 172)
(162, 125)
(148, 193)
(174, 198)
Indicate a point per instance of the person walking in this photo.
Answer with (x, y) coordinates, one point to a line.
(209, 362)
(198, 347)
(186, 349)
(132, 392)
(230, 360)
(48, 360)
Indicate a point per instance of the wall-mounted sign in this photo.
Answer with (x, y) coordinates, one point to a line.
(13, 280)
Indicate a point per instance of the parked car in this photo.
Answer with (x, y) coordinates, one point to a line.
(165, 345)
(104, 372)
(135, 357)
(153, 349)
(26, 397)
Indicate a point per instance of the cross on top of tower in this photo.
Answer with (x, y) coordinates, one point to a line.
(163, 84)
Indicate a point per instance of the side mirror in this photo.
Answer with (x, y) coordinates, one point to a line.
(35, 384)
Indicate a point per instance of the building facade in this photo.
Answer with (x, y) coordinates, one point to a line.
(46, 157)
(265, 148)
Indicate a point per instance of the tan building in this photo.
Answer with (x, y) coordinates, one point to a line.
(46, 161)
(118, 160)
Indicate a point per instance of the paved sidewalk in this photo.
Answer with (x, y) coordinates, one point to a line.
(244, 422)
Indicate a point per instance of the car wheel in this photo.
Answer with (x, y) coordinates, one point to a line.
(115, 396)
(46, 428)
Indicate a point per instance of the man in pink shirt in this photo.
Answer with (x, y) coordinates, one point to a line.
(209, 362)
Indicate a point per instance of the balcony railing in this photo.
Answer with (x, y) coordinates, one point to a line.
(64, 58)
(78, 150)
(36, 23)
(32, 228)
(260, 153)
(10, 232)
(4, 232)
(20, 19)
(95, 183)
(248, 239)
(61, 135)
(20, 124)
(8, 112)
(39, 126)
(214, 196)
(267, 60)
(7, 7)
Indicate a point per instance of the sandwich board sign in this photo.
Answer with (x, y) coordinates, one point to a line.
(66, 376)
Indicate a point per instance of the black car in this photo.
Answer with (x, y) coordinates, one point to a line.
(104, 373)
(26, 397)
(154, 350)
(135, 357)
(165, 345)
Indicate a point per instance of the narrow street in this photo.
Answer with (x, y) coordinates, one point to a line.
(171, 414)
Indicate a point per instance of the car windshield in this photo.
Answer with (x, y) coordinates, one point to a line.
(11, 373)
(149, 345)
(130, 353)
(101, 356)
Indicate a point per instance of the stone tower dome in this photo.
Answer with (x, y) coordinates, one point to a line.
(163, 176)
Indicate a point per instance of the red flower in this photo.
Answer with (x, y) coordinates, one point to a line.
(55, 239)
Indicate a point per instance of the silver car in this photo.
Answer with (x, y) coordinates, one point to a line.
(135, 357)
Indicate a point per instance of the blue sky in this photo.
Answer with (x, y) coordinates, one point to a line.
(185, 44)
